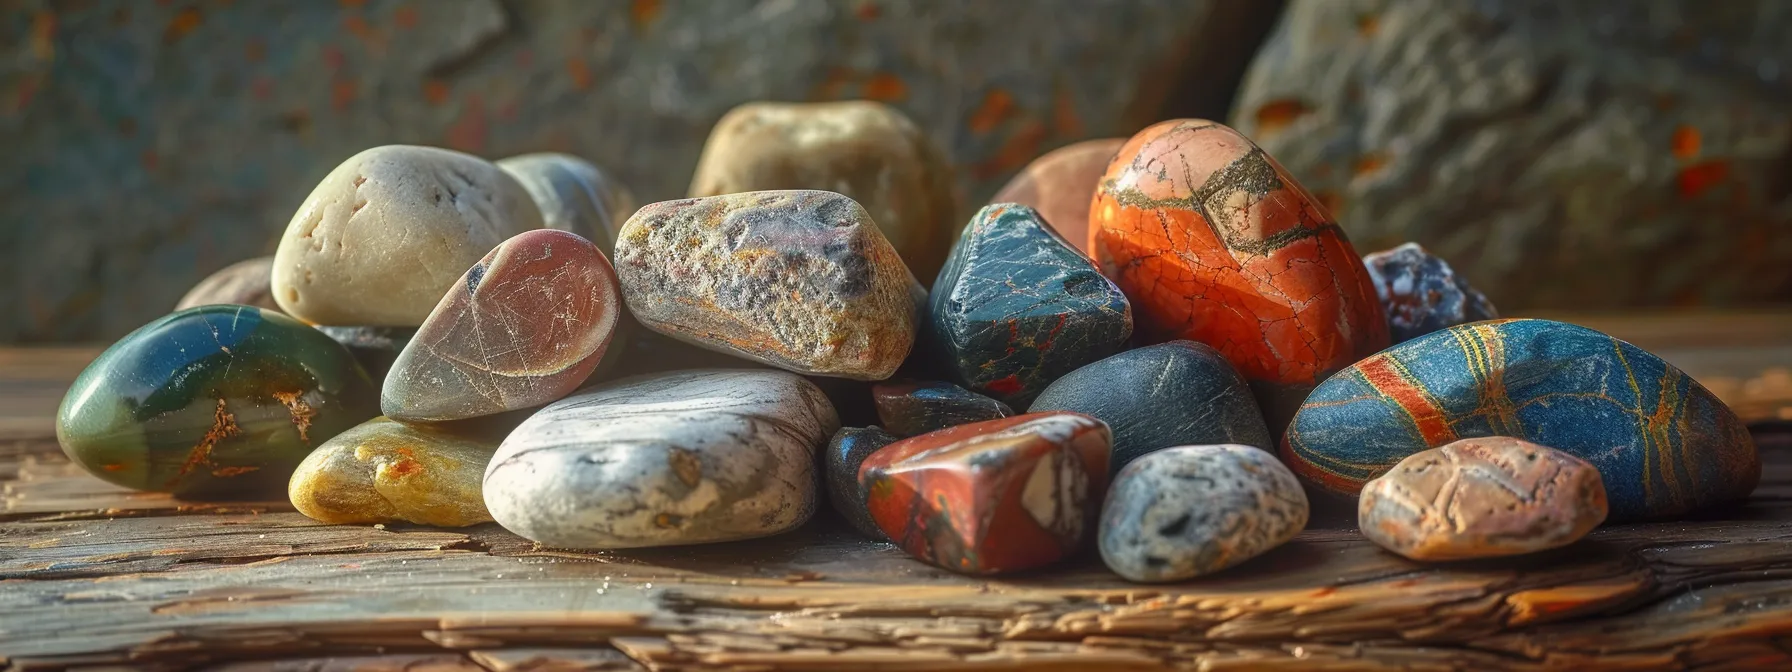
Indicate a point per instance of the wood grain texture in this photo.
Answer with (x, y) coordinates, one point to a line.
(94, 576)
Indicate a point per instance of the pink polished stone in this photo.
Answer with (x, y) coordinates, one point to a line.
(1061, 184)
(523, 327)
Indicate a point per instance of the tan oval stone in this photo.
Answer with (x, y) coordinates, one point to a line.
(386, 233)
(384, 471)
(866, 150)
(1480, 498)
(800, 280)
(1061, 184)
(243, 283)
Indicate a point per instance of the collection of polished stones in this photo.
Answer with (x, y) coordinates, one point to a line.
(1202, 358)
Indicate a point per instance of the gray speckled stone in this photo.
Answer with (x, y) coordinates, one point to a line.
(574, 195)
(681, 458)
(1179, 393)
(1182, 512)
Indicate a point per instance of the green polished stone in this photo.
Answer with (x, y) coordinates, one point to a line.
(218, 401)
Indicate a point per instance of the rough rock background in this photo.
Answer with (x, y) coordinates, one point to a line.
(1563, 154)
(147, 144)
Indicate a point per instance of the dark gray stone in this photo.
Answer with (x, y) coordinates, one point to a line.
(1563, 153)
(911, 408)
(845, 452)
(1171, 394)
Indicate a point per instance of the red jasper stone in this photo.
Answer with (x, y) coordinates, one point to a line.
(523, 327)
(1060, 184)
(994, 496)
(1214, 241)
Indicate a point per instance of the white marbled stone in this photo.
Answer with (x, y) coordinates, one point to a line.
(574, 195)
(385, 234)
(686, 457)
(1182, 512)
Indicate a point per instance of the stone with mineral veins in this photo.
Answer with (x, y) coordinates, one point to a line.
(1060, 185)
(911, 408)
(574, 195)
(1663, 444)
(800, 280)
(1016, 307)
(214, 401)
(994, 496)
(524, 326)
(387, 232)
(1480, 498)
(383, 471)
(1214, 242)
(245, 283)
(865, 150)
(1422, 294)
(686, 457)
(1182, 512)
(845, 452)
(1178, 393)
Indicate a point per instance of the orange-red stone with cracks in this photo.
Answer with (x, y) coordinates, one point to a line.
(1214, 241)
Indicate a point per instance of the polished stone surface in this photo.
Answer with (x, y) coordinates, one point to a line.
(911, 407)
(845, 452)
(383, 471)
(1422, 293)
(1187, 511)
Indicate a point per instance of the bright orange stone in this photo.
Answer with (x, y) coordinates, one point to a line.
(1214, 241)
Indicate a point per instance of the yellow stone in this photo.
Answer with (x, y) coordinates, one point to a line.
(385, 471)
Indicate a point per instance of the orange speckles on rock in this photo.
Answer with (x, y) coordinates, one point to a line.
(227, 472)
(467, 134)
(405, 17)
(579, 73)
(831, 84)
(184, 22)
(43, 35)
(150, 159)
(1020, 148)
(255, 51)
(997, 106)
(342, 92)
(1276, 115)
(1685, 142)
(112, 467)
(405, 467)
(357, 26)
(1066, 123)
(1696, 179)
(300, 410)
(1367, 25)
(435, 91)
(1369, 164)
(332, 58)
(643, 12)
(223, 427)
(867, 11)
(885, 87)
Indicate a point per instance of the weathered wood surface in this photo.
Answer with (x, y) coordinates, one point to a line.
(91, 575)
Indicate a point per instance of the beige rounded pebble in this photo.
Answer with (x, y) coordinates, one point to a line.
(383, 471)
(866, 150)
(1481, 498)
(383, 237)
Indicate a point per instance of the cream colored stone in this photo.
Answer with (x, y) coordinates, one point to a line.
(383, 237)
(866, 150)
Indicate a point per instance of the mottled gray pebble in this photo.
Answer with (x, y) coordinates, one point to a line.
(1182, 512)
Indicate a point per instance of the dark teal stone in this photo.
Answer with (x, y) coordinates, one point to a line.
(911, 408)
(1016, 307)
(1180, 393)
(1663, 444)
(845, 452)
(1422, 294)
(212, 402)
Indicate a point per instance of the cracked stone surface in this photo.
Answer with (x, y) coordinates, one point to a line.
(1178, 393)
(1664, 445)
(845, 452)
(910, 408)
(1482, 498)
(800, 280)
(688, 457)
(1187, 511)
(386, 234)
(383, 471)
(1213, 241)
(1060, 185)
(574, 195)
(863, 149)
(1016, 307)
(523, 327)
(991, 497)
(1422, 293)
(1564, 155)
(245, 283)
(215, 401)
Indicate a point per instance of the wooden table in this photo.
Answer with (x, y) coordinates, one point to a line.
(91, 575)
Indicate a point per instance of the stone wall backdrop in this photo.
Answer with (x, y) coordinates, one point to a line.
(1564, 154)
(145, 144)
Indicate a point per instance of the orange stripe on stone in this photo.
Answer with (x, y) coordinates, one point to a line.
(1392, 381)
